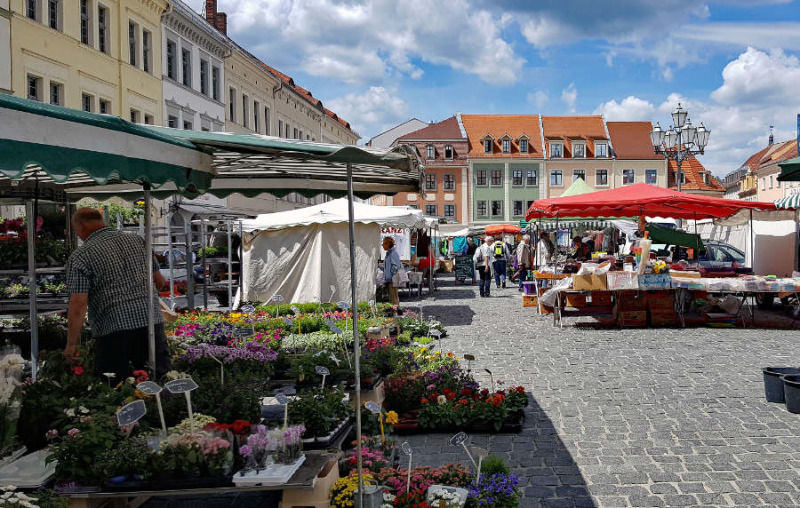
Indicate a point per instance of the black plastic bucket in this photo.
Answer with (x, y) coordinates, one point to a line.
(773, 384)
(791, 389)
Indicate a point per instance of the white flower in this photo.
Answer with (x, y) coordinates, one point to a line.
(69, 412)
(83, 410)
(131, 380)
(441, 399)
(109, 374)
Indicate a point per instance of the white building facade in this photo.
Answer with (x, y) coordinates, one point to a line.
(5, 47)
(193, 71)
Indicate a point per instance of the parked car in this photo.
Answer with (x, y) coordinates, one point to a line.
(721, 255)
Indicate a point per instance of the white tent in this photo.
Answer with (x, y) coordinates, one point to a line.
(301, 254)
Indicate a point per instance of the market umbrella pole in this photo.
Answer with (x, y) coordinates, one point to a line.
(31, 215)
(356, 344)
(148, 245)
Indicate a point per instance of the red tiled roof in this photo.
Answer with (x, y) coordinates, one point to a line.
(568, 128)
(693, 170)
(477, 126)
(446, 129)
(631, 140)
(772, 154)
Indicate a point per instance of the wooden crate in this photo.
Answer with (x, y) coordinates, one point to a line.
(530, 300)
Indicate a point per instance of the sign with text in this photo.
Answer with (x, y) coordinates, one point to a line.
(464, 268)
(149, 388)
(247, 309)
(131, 413)
(181, 386)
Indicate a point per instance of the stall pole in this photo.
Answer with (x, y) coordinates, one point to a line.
(752, 244)
(31, 215)
(169, 257)
(356, 344)
(203, 245)
(230, 266)
(188, 258)
(148, 244)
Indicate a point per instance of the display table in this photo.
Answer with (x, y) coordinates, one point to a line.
(304, 479)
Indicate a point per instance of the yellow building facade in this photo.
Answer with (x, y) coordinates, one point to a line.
(102, 56)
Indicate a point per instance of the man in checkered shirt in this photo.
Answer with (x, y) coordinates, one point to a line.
(107, 275)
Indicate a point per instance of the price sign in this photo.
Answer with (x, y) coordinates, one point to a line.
(343, 305)
(406, 448)
(247, 309)
(435, 333)
(458, 439)
(131, 413)
(277, 298)
(149, 388)
(181, 386)
(335, 329)
(295, 309)
(287, 321)
(480, 452)
(241, 332)
(322, 371)
(469, 357)
(373, 407)
(371, 303)
(282, 398)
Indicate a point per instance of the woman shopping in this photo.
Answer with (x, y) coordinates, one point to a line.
(391, 267)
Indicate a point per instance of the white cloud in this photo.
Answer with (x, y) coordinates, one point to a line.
(375, 110)
(569, 95)
(539, 98)
(630, 109)
(759, 79)
(761, 35)
(369, 41)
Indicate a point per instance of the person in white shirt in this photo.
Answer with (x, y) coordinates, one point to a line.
(483, 263)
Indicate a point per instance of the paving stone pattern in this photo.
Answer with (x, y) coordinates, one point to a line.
(631, 417)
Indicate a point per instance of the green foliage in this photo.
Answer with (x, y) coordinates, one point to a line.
(14, 252)
(295, 343)
(54, 287)
(418, 328)
(128, 458)
(129, 214)
(320, 410)
(303, 366)
(494, 465)
(76, 454)
(404, 338)
(212, 252)
(424, 340)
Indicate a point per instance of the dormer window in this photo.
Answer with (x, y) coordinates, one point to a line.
(556, 150)
(523, 145)
(600, 150)
(578, 150)
(487, 145)
(431, 152)
(448, 152)
(506, 146)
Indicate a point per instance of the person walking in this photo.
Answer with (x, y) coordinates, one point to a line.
(391, 265)
(524, 257)
(500, 255)
(545, 250)
(106, 275)
(483, 263)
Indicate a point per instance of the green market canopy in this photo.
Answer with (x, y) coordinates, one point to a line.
(790, 170)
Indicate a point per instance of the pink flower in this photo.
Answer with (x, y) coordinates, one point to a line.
(73, 432)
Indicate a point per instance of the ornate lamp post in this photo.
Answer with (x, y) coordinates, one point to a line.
(681, 141)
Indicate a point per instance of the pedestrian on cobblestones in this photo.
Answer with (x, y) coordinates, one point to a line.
(524, 257)
(483, 263)
(391, 266)
(500, 256)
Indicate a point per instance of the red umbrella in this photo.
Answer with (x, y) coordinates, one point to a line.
(500, 229)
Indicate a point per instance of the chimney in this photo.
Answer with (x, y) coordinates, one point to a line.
(211, 12)
(222, 23)
(771, 136)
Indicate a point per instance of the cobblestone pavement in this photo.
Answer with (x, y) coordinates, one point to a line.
(631, 417)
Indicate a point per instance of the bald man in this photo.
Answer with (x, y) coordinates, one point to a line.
(106, 275)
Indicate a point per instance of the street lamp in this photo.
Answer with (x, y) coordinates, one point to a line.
(681, 140)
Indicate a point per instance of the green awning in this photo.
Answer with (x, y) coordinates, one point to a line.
(51, 145)
(673, 237)
(789, 202)
(579, 186)
(790, 170)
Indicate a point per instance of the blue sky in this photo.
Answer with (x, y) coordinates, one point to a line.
(732, 63)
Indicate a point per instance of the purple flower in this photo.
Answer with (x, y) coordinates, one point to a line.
(245, 451)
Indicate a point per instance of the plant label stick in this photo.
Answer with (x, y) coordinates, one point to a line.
(322, 371)
(283, 399)
(406, 448)
(151, 388)
(481, 453)
(375, 408)
(184, 386)
(131, 413)
(461, 439)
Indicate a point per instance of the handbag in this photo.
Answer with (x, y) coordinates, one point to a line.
(400, 277)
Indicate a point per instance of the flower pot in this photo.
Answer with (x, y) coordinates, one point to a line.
(791, 389)
(773, 382)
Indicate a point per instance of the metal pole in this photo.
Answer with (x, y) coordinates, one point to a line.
(752, 244)
(187, 241)
(169, 257)
(148, 243)
(230, 269)
(678, 159)
(203, 246)
(31, 215)
(356, 344)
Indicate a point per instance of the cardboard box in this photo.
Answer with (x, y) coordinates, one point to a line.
(652, 281)
(600, 299)
(529, 300)
(446, 265)
(589, 282)
(622, 280)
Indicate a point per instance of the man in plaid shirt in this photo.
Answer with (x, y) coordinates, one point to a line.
(107, 275)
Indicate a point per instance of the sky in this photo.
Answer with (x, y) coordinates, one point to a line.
(733, 64)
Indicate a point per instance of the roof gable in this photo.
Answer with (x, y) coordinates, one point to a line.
(631, 140)
(495, 126)
(446, 129)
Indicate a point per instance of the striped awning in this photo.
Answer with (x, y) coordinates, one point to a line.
(789, 202)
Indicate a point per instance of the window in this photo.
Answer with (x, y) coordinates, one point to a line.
(87, 102)
(516, 178)
(413, 207)
(102, 29)
(497, 178)
(771, 181)
(450, 211)
(506, 146)
(628, 176)
(449, 181)
(301, 135)
(280, 128)
(232, 104)
(85, 32)
(430, 210)
(132, 45)
(105, 107)
(187, 125)
(523, 146)
(172, 122)
(215, 83)
(578, 150)
(204, 77)
(54, 14)
(556, 178)
(34, 88)
(31, 10)
(134, 116)
(601, 150)
(651, 176)
(266, 121)
(430, 182)
(256, 118)
(601, 177)
(578, 173)
(172, 52)
(295, 133)
(528, 205)
(147, 43)
(186, 66)
(482, 210)
(56, 94)
(517, 208)
(497, 208)
(487, 145)
(556, 150)
(531, 178)
(148, 119)
(288, 131)
(480, 178)
(430, 152)
(245, 111)
(448, 152)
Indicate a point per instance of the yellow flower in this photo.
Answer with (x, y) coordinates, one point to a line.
(392, 418)
(422, 350)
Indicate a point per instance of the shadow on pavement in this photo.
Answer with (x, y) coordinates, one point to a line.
(450, 315)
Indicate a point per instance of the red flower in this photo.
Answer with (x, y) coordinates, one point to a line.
(450, 395)
(424, 400)
(466, 392)
(141, 376)
(77, 370)
(485, 392)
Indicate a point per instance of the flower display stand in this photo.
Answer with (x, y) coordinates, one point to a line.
(273, 474)
(320, 496)
(376, 394)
